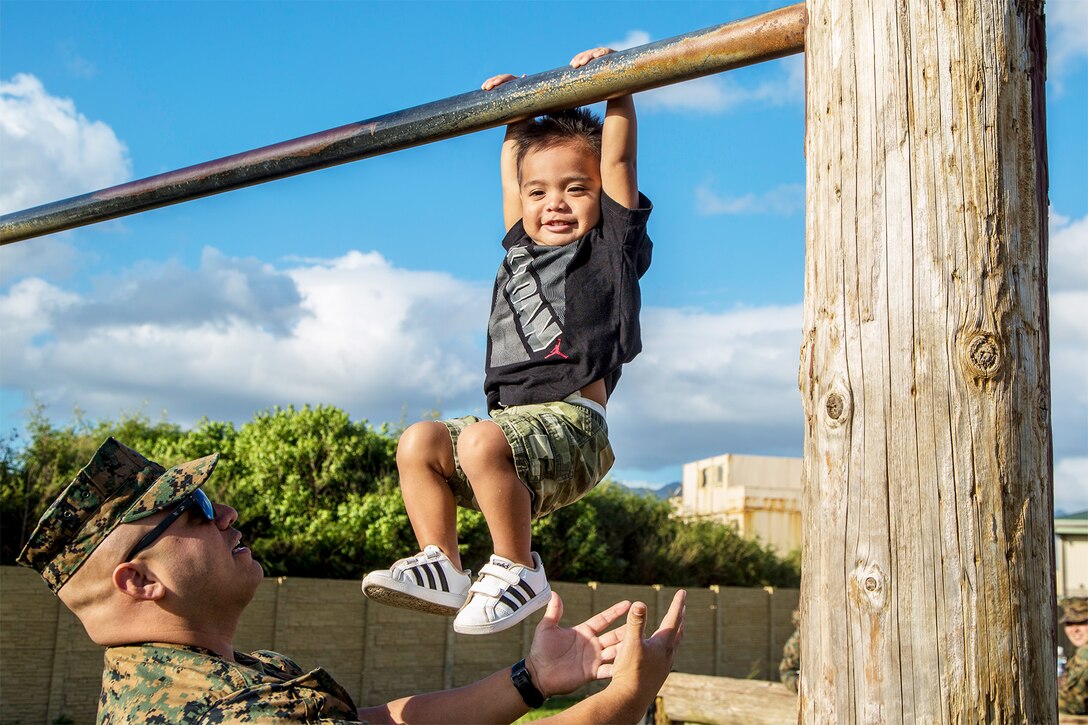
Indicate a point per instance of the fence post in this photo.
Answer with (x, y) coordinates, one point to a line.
(61, 650)
(717, 629)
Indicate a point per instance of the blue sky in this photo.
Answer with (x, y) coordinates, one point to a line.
(366, 285)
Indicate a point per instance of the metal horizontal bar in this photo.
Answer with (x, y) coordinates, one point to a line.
(723, 47)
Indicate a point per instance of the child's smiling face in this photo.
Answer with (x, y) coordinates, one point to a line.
(560, 193)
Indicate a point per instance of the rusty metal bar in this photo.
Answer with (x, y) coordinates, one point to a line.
(723, 47)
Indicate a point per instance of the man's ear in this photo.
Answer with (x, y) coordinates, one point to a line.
(138, 581)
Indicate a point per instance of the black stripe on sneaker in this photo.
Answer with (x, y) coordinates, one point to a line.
(517, 595)
(415, 573)
(528, 589)
(510, 603)
(430, 577)
(442, 577)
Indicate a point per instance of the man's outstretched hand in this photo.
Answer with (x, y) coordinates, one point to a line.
(561, 660)
(641, 665)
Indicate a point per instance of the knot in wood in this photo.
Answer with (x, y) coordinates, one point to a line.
(984, 355)
(867, 587)
(837, 404)
(834, 406)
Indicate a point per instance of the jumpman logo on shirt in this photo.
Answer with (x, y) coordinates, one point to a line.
(556, 351)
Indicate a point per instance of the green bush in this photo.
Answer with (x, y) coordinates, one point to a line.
(317, 496)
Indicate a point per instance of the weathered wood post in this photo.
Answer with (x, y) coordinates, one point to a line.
(928, 591)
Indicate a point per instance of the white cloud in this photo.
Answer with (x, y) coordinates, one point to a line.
(1071, 485)
(1067, 41)
(45, 257)
(222, 292)
(632, 39)
(1068, 282)
(784, 199)
(709, 94)
(237, 336)
(1068, 267)
(50, 150)
(706, 384)
(77, 65)
(783, 82)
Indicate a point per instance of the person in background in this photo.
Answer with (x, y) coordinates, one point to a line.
(1073, 683)
(789, 669)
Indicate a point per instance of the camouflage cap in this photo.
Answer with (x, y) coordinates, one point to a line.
(118, 486)
(1074, 610)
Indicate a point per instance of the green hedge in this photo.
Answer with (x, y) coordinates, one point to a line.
(317, 496)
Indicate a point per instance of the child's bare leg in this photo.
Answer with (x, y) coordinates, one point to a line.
(425, 463)
(488, 462)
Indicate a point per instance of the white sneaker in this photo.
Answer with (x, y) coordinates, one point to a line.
(426, 582)
(504, 594)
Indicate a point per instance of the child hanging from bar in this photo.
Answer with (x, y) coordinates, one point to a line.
(564, 319)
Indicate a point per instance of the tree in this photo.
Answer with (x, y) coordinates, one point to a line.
(299, 479)
(317, 495)
(928, 590)
(32, 476)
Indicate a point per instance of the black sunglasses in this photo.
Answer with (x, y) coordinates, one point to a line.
(197, 497)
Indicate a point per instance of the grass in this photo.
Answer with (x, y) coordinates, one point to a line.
(551, 707)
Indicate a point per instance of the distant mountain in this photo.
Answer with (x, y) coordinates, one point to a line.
(663, 492)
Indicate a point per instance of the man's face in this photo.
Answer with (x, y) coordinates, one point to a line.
(1077, 633)
(560, 193)
(203, 563)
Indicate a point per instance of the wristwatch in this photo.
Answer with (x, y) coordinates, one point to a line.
(523, 681)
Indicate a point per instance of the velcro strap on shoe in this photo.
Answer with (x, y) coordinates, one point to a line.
(502, 573)
(487, 587)
(401, 565)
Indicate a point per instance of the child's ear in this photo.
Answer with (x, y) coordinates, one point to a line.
(138, 581)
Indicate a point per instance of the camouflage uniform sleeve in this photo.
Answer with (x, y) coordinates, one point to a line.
(789, 669)
(312, 698)
(1073, 691)
(180, 685)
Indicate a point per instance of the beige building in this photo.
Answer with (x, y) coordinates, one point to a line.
(760, 495)
(1071, 554)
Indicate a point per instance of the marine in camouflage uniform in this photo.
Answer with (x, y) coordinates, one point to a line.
(1073, 685)
(169, 619)
(789, 669)
(162, 682)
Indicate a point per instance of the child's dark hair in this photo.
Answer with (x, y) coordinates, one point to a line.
(576, 125)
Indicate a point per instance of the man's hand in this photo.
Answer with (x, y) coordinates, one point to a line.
(562, 660)
(641, 665)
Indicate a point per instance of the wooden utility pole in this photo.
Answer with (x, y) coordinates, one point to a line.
(928, 589)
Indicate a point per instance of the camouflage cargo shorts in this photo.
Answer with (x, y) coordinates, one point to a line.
(561, 451)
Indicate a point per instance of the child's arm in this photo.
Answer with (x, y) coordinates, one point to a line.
(508, 162)
(511, 190)
(619, 141)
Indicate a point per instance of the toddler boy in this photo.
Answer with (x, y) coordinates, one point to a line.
(564, 319)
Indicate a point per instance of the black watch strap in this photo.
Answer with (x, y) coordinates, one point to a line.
(523, 681)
